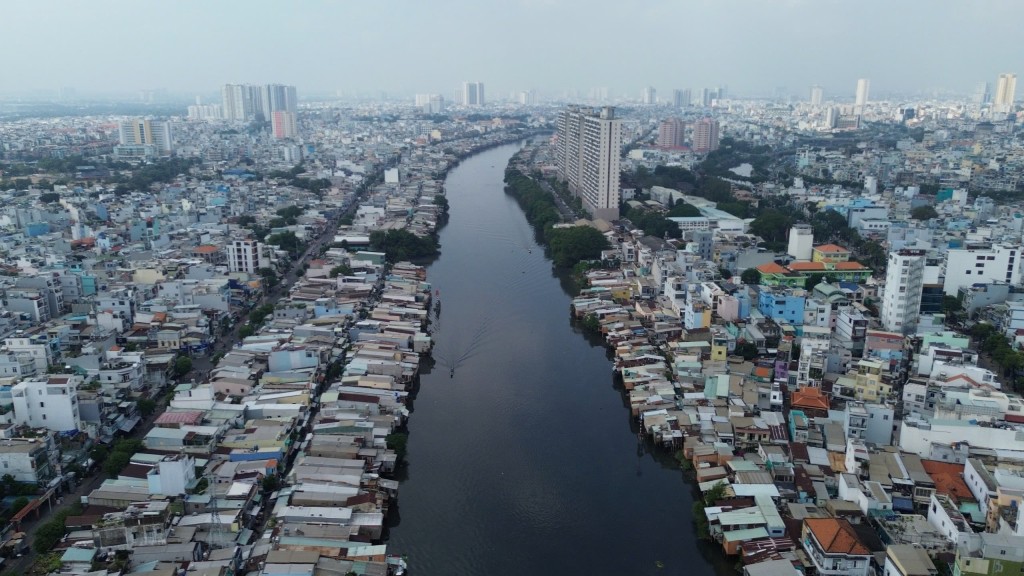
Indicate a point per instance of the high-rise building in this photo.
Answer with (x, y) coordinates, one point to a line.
(246, 102)
(587, 154)
(706, 95)
(472, 94)
(982, 94)
(237, 102)
(430, 103)
(904, 283)
(671, 133)
(649, 96)
(816, 95)
(1006, 89)
(274, 97)
(244, 256)
(283, 123)
(863, 86)
(204, 112)
(527, 97)
(139, 131)
(705, 135)
(680, 98)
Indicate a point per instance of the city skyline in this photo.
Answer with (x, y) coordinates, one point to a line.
(350, 47)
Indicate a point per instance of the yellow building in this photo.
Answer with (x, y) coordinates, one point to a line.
(830, 253)
(869, 385)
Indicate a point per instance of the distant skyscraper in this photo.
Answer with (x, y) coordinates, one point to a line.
(982, 94)
(863, 86)
(284, 124)
(706, 95)
(204, 112)
(527, 97)
(430, 103)
(236, 102)
(671, 133)
(246, 102)
(649, 96)
(140, 131)
(705, 135)
(1006, 89)
(587, 154)
(472, 94)
(680, 98)
(816, 95)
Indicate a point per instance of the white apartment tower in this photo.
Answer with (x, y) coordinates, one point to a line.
(49, 402)
(649, 96)
(473, 94)
(244, 256)
(904, 284)
(588, 150)
(801, 242)
(817, 95)
(1006, 91)
(139, 131)
(863, 86)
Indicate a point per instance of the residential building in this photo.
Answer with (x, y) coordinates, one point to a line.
(814, 347)
(50, 402)
(671, 133)
(904, 283)
(680, 98)
(987, 554)
(908, 560)
(1006, 91)
(587, 156)
(649, 96)
(982, 264)
(817, 95)
(284, 124)
(705, 135)
(244, 256)
(144, 131)
(27, 459)
(834, 547)
(472, 94)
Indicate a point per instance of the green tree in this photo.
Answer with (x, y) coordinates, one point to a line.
(772, 226)
(271, 483)
(269, 277)
(397, 441)
(684, 210)
(925, 212)
(340, 270)
(570, 245)
(246, 331)
(182, 366)
(751, 276)
(748, 350)
(49, 197)
(146, 406)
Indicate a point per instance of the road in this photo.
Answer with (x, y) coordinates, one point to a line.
(201, 367)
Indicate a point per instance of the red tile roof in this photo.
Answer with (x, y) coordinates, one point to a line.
(850, 266)
(807, 266)
(809, 397)
(771, 268)
(948, 478)
(836, 536)
(831, 248)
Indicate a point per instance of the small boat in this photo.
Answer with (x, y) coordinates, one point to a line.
(453, 373)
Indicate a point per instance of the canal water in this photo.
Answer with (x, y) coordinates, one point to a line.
(522, 457)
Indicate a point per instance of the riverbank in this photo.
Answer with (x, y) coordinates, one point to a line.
(521, 447)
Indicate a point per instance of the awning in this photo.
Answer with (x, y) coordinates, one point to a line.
(127, 424)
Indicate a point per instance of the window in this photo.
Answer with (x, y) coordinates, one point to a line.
(42, 404)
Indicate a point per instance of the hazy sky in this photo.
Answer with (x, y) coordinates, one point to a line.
(753, 46)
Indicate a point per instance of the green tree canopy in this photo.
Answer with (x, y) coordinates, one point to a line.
(751, 276)
(925, 212)
(570, 245)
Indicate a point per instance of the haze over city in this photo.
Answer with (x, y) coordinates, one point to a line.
(111, 47)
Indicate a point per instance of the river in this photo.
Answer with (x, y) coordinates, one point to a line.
(525, 460)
